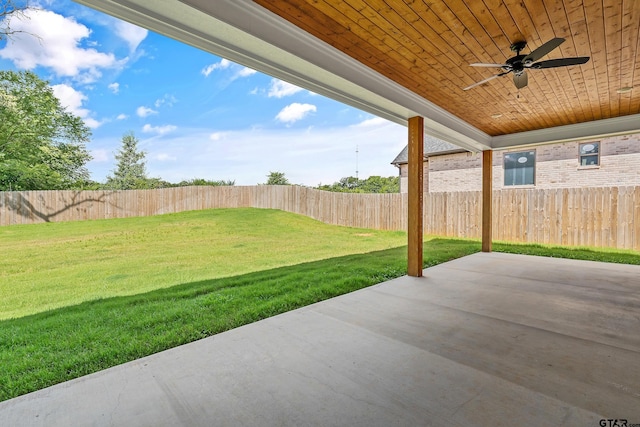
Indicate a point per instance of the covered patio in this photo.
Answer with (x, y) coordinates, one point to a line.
(486, 340)
(489, 339)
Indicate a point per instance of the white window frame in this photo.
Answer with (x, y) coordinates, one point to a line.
(522, 155)
(582, 155)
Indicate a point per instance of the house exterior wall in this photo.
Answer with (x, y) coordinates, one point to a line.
(556, 166)
(456, 172)
(404, 177)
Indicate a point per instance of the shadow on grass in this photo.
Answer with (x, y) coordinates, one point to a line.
(43, 349)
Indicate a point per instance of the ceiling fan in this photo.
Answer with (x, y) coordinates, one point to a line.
(518, 64)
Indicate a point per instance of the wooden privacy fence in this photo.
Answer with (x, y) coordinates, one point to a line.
(601, 217)
(378, 211)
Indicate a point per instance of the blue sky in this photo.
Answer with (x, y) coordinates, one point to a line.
(196, 115)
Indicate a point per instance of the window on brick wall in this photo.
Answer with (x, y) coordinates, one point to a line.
(589, 154)
(520, 168)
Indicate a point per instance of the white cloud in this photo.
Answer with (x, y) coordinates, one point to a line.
(246, 72)
(367, 123)
(91, 122)
(143, 111)
(164, 157)
(279, 89)
(130, 33)
(114, 87)
(56, 47)
(122, 116)
(294, 112)
(160, 130)
(72, 100)
(100, 155)
(217, 136)
(224, 63)
(167, 100)
(235, 71)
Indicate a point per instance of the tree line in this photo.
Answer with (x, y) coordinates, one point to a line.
(131, 173)
(372, 184)
(43, 147)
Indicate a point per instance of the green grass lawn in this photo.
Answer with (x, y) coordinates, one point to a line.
(83, 296)
(52, 265)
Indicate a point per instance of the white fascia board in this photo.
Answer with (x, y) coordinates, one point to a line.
(577, 132)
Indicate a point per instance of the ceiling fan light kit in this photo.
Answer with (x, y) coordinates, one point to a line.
(519, 63)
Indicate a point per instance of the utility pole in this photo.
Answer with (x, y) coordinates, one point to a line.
(356, 163)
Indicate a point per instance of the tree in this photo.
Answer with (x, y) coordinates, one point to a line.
(130, 172)
(277, 178)
(202, 181)
(349, 183)
(10, 9)
(373, 184)
(42, 146)
(380, 184)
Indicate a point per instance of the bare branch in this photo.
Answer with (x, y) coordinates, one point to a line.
(9, 10)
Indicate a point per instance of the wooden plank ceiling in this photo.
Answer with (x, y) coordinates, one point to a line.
(427, 46)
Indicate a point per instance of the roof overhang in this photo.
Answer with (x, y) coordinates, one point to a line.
(248, 34)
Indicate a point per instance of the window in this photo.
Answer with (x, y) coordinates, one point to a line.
(519, 168)
(589, 154)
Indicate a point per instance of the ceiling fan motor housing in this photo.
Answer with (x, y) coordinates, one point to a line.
(516, 63)
(518, 46)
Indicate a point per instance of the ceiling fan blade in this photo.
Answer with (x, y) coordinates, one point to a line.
(485, 80)
(479, 64)
(562, 62)
(520, 80)
(543, 50)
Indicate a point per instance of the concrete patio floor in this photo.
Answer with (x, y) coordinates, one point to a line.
(486, 340)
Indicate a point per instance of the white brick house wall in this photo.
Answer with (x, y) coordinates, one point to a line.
(556, 166)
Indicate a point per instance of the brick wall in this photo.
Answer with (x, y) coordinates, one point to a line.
(557, 166)
(404, 181)
(455, 172)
